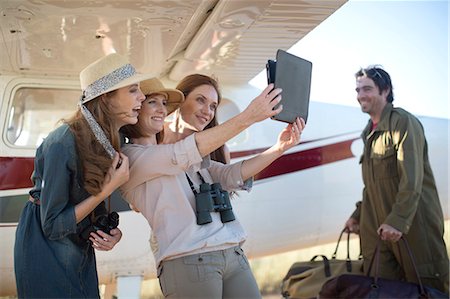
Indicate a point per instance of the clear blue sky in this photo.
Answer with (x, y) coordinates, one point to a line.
(408, 38)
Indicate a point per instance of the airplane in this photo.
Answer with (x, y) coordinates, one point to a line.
(301, 200)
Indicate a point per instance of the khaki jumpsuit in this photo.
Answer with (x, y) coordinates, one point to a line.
(399, 190)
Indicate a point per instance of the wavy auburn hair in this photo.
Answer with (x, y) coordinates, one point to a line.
(186, 86)
(94, 159)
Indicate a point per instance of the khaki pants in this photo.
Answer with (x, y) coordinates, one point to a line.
(213, 275)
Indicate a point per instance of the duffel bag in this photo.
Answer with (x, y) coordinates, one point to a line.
(348, 286)
(305, 279)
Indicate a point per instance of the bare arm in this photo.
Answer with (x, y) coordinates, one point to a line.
(116, 177)
(289, 137)
(259, 109)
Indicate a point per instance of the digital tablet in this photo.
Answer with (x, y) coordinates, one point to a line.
(293, 75)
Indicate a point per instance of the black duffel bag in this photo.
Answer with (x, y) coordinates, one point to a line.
(364, 286)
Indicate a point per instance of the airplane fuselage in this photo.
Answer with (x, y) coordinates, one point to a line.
(301, 200)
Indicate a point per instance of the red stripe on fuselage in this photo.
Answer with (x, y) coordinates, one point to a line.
(15, 172)
(260, 150)
(304, 159)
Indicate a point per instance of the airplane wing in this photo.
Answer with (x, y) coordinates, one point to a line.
(228, 38)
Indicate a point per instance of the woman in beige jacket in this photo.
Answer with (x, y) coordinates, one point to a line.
(197, 259)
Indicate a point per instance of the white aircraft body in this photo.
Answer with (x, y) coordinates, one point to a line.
(301, 200)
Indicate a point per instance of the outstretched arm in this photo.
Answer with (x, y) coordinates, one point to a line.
(289, 137)
(259, 109)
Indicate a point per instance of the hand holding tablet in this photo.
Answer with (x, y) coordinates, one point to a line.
(293, 75)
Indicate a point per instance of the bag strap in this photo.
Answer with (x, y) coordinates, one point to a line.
(333, 256)
(422, 290)
(376, 258)
(348, 260)
(326, 264)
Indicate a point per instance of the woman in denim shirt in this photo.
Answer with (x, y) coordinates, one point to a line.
(77, 167)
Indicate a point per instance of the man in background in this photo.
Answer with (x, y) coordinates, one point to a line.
(399, 196)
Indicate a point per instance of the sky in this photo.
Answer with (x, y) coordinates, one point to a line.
(409, 39)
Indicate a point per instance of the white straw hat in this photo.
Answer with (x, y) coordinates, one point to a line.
(106, 74)
(175, 96)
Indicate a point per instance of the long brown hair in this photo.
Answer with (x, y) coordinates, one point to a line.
(186, 86)
(94, 159)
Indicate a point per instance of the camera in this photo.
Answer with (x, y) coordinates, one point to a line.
(212, 198)
(103, 222)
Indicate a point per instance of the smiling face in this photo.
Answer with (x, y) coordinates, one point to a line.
(371, 100)
(199, 108)
(153, 112)
(125, 104)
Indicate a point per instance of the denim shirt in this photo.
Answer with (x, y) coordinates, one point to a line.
(51, 259)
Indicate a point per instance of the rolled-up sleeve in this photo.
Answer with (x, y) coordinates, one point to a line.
(57, 213)
(150, 162)
(229, 176)
(185, 152)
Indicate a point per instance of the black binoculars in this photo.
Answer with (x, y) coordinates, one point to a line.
(103, 222)
(212, 198)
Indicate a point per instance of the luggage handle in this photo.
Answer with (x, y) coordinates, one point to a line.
(376, 258)
(333, 256)
(326, 261)
(326, 264)
(348, 260)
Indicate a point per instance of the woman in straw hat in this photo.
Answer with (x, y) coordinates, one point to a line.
(197, 257)
(159, 102)
(76, 168)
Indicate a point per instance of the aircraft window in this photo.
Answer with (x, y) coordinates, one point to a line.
(35, 112)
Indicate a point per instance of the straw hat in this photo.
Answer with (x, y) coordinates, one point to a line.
(106, 74)
(153, 85)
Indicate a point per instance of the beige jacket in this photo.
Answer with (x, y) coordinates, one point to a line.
(159, 189)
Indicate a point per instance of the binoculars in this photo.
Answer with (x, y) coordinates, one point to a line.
(103, 222)
(212, 198)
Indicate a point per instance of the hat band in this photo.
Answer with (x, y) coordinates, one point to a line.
(106, 82)
(98, 132)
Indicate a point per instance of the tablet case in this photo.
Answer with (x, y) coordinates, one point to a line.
(293, 75)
